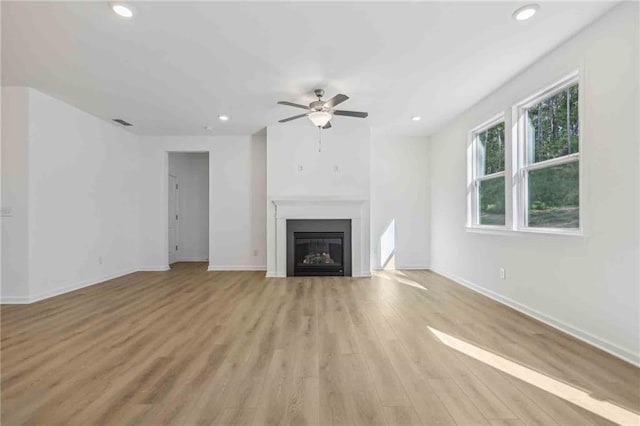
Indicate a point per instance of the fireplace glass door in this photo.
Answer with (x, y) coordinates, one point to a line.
(319, 253)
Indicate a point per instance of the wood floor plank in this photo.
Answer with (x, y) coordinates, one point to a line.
(519, 403)
(188, 347)
(237, 417)
(462, 409)
(364, 402)
(424, 399)
(402, 416)
(506, 422)
(303, 402)
(274, 400)
(487, 402)
(333, 391)
(383, 375)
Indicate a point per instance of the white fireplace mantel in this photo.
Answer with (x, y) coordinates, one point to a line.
(355, 209)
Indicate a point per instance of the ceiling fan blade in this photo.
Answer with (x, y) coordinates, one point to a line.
(351, 113)
(327, 126)
(292, 118)
(337, 99)
(293, 105)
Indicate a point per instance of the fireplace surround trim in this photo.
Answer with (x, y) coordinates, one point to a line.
(354, 208)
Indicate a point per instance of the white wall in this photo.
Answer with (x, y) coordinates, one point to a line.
(587, 286)
(346, 146)
(96, 197)
(192, 173)
(15, 249)
(399, 200)
(81, 195)
(342, 169)
(236, 199)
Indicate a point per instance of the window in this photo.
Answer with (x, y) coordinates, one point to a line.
(528, 178)
(488, 175)
(549, 191)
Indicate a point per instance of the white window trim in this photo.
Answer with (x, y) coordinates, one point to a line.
(515, 150)
(473, 212)
(522, 167)
(522, 232)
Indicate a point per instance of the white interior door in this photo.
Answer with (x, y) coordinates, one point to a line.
(173, 218)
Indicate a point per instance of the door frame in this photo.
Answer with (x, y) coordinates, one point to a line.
(177, 212)
(165, 197)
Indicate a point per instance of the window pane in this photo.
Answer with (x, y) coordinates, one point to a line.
(491, 150)
(491, 201)
(554, 197)
(552, 126)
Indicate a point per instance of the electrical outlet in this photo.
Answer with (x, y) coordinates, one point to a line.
(503, 274)
(336, 168)
(255, 252)
(99, 260)
(300, 168)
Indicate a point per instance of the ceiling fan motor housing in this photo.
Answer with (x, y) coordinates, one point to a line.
(316, 105)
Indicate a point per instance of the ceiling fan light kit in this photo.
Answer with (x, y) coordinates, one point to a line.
(319, 118)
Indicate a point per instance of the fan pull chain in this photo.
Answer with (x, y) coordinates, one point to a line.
(319, 139)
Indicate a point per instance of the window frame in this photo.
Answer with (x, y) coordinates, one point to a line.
(522, 167)
(516, 166)
(473, 180)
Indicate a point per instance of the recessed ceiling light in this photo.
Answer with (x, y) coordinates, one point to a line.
(122, 10)
(223, 117)
(525, 12)
(416, 118)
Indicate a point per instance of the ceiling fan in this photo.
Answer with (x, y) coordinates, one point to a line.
(320, 112)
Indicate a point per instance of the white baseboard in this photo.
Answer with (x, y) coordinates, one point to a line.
(579, 334)
(192, 259)
(236, 268)
(66, 289)
(154, 268)
(15, 300)
(274, 275)
(405, 268)
(412, 267)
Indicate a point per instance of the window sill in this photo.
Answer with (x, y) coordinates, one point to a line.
(499, 230)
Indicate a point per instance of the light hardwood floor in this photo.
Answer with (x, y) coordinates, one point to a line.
(234, 348)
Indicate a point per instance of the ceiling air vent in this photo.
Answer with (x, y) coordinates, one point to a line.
(121, 121)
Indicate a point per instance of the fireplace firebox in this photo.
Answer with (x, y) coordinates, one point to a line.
(318, 247)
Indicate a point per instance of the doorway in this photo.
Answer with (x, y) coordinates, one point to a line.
(188, 207)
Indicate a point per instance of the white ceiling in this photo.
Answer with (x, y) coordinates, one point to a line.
(177, 65)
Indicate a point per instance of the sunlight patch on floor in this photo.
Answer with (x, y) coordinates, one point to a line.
(396, 277)
(555, 387)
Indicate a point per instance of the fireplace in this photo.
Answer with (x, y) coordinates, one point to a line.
(319, 247)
